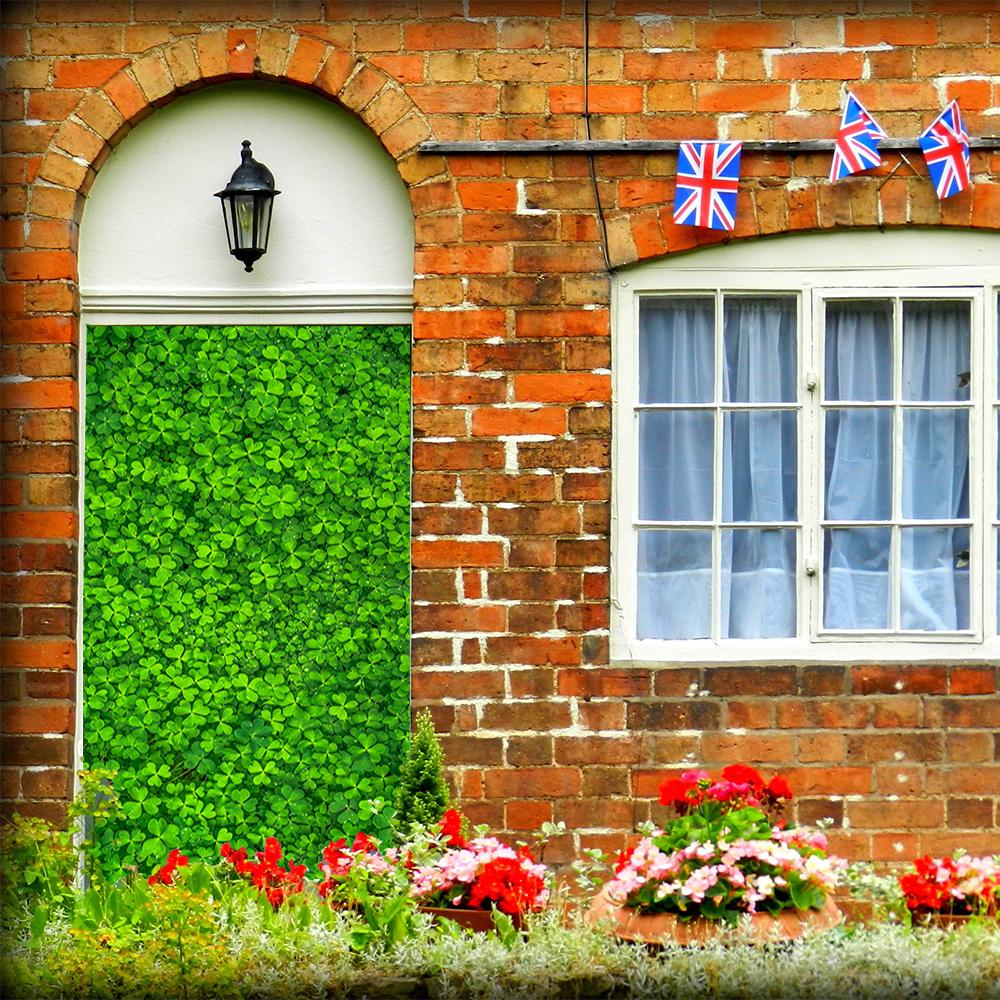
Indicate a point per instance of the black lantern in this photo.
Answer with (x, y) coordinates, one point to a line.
(246, 208)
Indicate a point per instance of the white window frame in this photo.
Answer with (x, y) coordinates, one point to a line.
(905, 264)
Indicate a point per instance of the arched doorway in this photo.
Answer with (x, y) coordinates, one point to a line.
(246, 543)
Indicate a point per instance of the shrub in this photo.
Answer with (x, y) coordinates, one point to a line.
(422, 796)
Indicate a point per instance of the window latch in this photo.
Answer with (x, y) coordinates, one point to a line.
(811, 381)
(810, 568)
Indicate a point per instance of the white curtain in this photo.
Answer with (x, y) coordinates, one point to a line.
(677, 469)
(933, 561)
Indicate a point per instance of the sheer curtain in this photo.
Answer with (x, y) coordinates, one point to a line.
(677, 469)
(933, 560)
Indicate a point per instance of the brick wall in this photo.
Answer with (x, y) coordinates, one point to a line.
(511, 388)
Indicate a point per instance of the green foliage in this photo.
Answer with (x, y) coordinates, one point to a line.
(37, 866)
(213, 938)
(422, 796)
(246, 581)
(38, 861)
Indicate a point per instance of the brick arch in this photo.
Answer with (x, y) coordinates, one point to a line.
(156, 77)
(772, 201)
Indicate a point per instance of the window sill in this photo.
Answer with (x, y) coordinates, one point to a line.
(760, 651)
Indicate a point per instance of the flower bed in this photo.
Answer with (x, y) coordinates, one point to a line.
(255, 923)
(729, 853)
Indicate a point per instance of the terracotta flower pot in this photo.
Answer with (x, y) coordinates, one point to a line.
(476, 920)
(661, 928)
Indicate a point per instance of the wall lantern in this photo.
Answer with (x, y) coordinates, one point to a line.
(246, 208)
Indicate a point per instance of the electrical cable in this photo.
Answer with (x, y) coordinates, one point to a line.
(601, 223)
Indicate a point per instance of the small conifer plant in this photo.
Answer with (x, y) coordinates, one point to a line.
(423, 796)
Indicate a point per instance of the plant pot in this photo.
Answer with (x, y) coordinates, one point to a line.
(663, 928)
(480, 921)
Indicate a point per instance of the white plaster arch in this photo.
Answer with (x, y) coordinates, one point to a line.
(152, 241)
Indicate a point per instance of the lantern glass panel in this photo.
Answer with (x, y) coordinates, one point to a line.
(243, 205)
(226, 208)
(264, 230)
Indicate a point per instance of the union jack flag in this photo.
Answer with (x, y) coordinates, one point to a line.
(856, 146)
(946, 149)
(708, 177)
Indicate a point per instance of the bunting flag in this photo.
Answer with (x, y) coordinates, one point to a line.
(856, 146)
(708, 177)
(946, 149)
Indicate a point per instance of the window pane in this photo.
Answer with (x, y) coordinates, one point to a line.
(934, 579)
(858, 350)
(935, 464)
(856, 578)
(676, 460)
(758, 583)
(936, 364)
(760, 338)
(858, 465)
(677, 350)
(759, 466)
(675, 585)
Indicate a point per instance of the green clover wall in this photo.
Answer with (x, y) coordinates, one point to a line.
(246, 581)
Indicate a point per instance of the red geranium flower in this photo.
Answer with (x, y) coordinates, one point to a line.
(778, 788)
(165, 874)
(743, 774)
(451, 827)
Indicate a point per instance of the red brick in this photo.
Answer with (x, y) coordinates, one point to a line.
(495, 422)
(442, 389)
(545, 520)
(43, 654)
(51, 783)
(501, 488)
(456, 98)
(24, 719)
(462, 260)
(585, 486)
(570, 387)
(881, 747)
(817, 66)
(45, 684)
(445, 36)
(459, 618)
(549, 782)
(721, 35)
(447, 553)
(40, 329)
(602, 98)
(47, 621)
(899, 680)
(497, 196)
(464, 324)
(532, 552)
(742, 97)
(972, 680)
(39, 524)
(37, 751)
(908, 30)
(527, 815)
(564, 650)
(528, 356)
(526, 716)
(972, 713)
(436, 684)
(458, 455)
(670, 65)
(52, 393)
